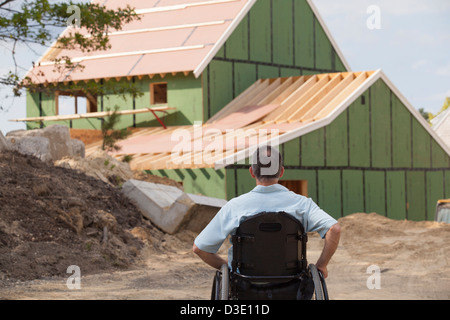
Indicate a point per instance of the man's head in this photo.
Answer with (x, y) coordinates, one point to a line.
(266, 165)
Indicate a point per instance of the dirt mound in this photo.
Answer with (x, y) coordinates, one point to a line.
(52, 217)
(100, 166)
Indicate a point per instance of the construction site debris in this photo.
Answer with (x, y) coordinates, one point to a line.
(48, 144)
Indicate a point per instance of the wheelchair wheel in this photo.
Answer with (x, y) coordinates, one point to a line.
(220, 289)
(320, 290)
(225, 282)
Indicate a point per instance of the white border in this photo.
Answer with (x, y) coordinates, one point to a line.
(378, 74)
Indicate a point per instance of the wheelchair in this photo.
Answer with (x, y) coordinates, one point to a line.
(269, 263)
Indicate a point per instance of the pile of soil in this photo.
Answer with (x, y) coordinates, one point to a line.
(102, 166)
(53, 217)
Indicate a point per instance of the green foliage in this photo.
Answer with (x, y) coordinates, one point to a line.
(110, 135)
(35, 21)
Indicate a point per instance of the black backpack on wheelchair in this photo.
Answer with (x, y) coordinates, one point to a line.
(269, 262)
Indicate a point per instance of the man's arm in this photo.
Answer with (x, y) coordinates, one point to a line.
(331, 244)
(213, 259)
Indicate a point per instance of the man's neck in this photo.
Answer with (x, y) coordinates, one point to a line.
(266, 183)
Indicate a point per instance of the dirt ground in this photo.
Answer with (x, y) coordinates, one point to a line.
(46, 225)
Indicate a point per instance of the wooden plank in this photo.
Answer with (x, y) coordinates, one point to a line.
(291, 94)
(301, 105)
(285, 83)
(352, 192)
(256, 100)
(320, 110)
(396, 195)
(241, 100)
(313, 105)
(290, 103)
(344, 94)
(102, 114)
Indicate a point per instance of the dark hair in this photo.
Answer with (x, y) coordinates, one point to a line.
(266, 163)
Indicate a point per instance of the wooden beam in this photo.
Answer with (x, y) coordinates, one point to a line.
(321, 92)
(101, 114)
(342, 95)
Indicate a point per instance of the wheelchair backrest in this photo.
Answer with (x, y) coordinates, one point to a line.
(269, 244)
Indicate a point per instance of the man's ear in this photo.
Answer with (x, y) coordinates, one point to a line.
(281, 172)
(251, 172)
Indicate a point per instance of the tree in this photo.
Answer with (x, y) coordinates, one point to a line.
(34, 22)
(110, 134)
(424, 113)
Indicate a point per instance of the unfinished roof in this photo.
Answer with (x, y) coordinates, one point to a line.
(171, 36)
(270, 111)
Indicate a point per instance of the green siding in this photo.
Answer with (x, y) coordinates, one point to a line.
(197, 181)
(304, 34)
(336, 142)
(416, 195)
(244, 76)
(291, 153)
(359, 133)
(395, 195)
(380, 125)
(329, 192)
(324, 50)
(260, 33)
(276, 38)
(352, 191)
(421, 145)
(313, 151)
(220, 85)
(435, 191)
(401, 134)
(236, 46)
(375, 192)
(283, 52)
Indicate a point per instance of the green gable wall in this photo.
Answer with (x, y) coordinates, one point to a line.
(204, 181)
(374, 157)
(277, 38)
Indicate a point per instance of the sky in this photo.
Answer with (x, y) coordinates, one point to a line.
(408, 39)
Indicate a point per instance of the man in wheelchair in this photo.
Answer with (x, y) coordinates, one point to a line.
(268, 227)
